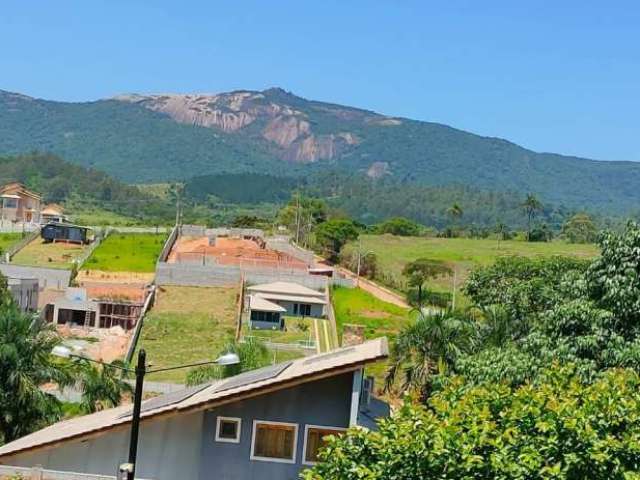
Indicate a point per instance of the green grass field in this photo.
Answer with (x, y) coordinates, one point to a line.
(52, 255)
(187, 325)
(380, 319)
(461, 254)
(8, 239)
(135, 252)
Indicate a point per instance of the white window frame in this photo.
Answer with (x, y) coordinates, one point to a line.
(219, 420)
(306, 438)
(270, 459)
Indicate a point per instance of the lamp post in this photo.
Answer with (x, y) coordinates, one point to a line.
(127, 470)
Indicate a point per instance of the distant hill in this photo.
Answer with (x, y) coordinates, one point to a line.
(159, 138)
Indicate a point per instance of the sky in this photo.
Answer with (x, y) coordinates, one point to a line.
(553, 76)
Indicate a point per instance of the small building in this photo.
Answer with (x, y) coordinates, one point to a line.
(264, 424)
(98, 307)
(52, 213)
(297, 300)
(65, 232)
(19, 204)
(265, 315)
(24, 292)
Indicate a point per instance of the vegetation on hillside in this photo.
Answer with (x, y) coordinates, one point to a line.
(135, 144)
(539, 379)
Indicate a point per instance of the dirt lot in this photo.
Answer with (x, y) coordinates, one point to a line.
(231, 251)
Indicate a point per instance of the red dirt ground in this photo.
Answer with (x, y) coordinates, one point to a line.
(231, 251)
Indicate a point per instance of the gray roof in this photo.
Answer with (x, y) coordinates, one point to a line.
(218, 393)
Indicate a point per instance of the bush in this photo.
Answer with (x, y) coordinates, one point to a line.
(400, 226)
(557, 428)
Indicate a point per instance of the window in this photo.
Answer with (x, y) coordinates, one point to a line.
(10, 203)
(228, 429)
(314, 436)
(305, 309)
(271, 317)
(274, 441)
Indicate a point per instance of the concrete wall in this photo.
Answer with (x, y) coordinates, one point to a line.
(47, 277)
(168, 449)
(223, 275)
(325, 402)
(25, 293)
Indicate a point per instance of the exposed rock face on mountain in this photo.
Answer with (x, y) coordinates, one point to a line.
(281, 124)
(160, 138)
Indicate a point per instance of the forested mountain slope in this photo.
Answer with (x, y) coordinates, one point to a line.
(152, 138)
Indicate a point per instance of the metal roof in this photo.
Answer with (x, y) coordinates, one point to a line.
(226, 391)
(285, 288)
(258, 303)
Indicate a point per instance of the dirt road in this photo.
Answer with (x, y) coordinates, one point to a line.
(376, 290)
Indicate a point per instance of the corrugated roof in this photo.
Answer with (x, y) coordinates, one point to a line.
(286, 288)
(258, 303)
(296, 372)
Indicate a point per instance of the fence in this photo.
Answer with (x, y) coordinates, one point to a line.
(38, 473)
(168, 245)
(136, 332)
(8, 255)
(331, 316)
(281, 244)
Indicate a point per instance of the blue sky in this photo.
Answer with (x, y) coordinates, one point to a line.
(560, 76)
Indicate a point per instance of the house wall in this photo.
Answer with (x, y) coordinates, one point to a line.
(325, 402)
(316, 310)
(25, 294)
(168, 449)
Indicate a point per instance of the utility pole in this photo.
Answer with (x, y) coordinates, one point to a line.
(298, 217)
(453, 294)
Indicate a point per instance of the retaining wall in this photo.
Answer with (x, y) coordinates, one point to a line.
(224, 275)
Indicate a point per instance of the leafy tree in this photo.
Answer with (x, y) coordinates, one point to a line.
(400, 226)
(558, 427)
(426, 348)
(332, 235)
(26, 365)
(420, 271)
(368, 262)
(302, 214)
(580, 229)
(252, 353)
(614, 277)
(455, 212)
(540, 234)
(532, 206)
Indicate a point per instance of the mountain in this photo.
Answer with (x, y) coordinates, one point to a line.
(155, 138)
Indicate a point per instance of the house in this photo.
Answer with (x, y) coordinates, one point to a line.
(19, 204)
(267, 423)
(65, 232)
(265, 315)
(24, 292)
(98, 307)
(297, 300)
(52, 213)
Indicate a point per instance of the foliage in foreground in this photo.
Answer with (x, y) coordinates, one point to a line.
(557, 428)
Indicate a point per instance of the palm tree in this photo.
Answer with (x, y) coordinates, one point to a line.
(455, 212)
(252, 353)
(25, 365)
(426, 348)
(102, 387)
(531, 206)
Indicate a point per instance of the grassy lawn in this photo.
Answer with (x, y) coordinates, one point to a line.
(132, 252)
(297, 330)
(94, 216)
(461, 254)
(380, 319)
(187, 325)
(8, 239)
(52, 255)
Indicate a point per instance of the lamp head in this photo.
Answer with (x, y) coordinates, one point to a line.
(228, 359)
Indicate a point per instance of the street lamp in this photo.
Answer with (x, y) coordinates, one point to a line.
(128, 470)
